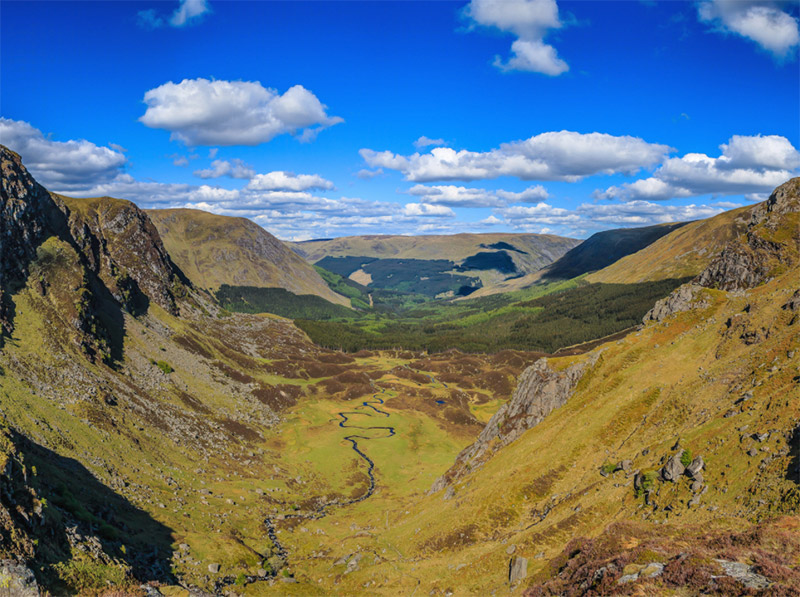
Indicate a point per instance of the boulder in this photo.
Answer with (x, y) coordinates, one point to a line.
(695, 467)
(213, 568)
(673, 470)
(517, 569)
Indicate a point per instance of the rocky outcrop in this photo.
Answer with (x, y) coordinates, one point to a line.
(541, 390)
(17, 580)
(117, 247)
(25, 208)
(121, 245)
(771, 239)
(681, 299)
(770, 243)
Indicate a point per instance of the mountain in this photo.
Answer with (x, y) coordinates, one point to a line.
(435, 265)
(600, 250)
(685, 251)
(213, 250)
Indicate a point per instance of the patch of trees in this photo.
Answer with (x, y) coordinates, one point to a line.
(279, 301)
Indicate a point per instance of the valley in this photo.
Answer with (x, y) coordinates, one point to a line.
(622, 431)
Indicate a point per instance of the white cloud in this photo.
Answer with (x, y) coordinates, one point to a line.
(203, 112)
(562, 155)
(212, 153)
(762, 22)
(235, 168)
(180, 160)
(426, 209)
(366, 174)
(187, 13)
(60, 165)
(424, 141)
(287, 181)
(591, 217)
(456, 196)
(529, 195)
(529, 20)
(747, 166)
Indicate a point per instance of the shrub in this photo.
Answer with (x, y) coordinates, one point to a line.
(686, 458)
(163, 365)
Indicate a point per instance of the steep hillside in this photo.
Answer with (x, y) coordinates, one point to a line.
(214, 250)
(685, 251)
(604, 248)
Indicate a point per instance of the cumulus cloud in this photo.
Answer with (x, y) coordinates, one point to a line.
(765, 23)
(60, 165)
(748, 165)
(456, 196)
(591, 217)
(203, 112)
(424, 141)
(529, 21)
(426, 209)
(189, 12)
(562, 155)
(235, 168)
(287, 181)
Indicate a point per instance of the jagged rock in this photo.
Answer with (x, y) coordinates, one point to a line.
(697, 485)
(681, 299)
(17, 580)
(517, 569)
(673, 469)
(213, 568)
(695, 467)
(540, 390)
(749, 260)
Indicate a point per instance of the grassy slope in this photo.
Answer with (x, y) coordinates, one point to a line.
(683, 252)
(541, 248)
(213, 250)
(675, 380)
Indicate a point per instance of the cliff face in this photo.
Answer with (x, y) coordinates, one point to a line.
(539, 392)
(24, 209)
(83, 252)
(121, 245)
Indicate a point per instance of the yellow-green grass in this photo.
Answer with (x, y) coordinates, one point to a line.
(213, 250)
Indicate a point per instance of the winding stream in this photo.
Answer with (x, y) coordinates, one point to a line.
(321, 511)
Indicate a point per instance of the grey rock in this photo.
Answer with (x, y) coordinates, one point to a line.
(539, 392)
(213, 568)
(18, 580)
(695, 467)
(262, 573)
(744, 574)
(673, 469)
(517, 569)
(681, 299)
(511, 549)
(624, 465)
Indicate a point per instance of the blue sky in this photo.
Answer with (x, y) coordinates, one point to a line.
(535, 115)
